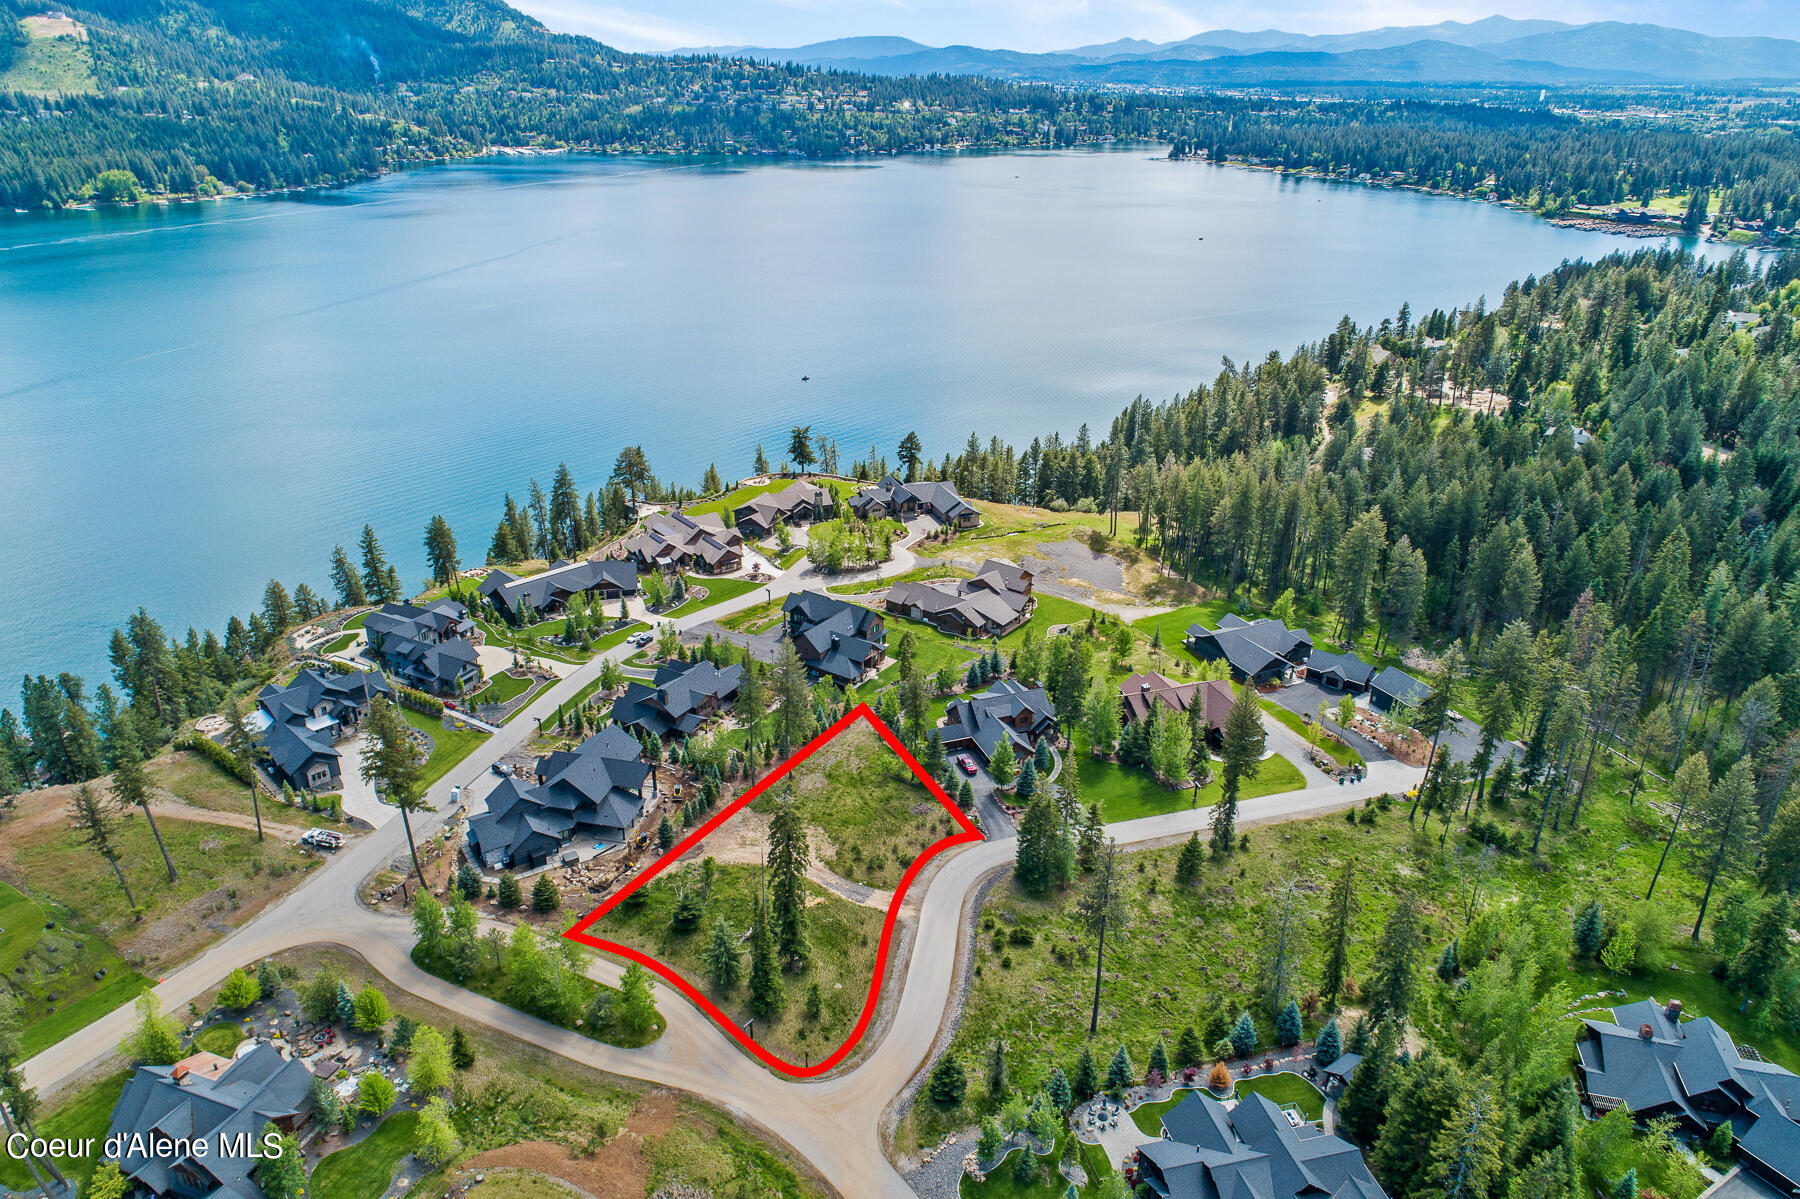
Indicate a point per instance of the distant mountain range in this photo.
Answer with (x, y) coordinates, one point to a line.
(1496, 50)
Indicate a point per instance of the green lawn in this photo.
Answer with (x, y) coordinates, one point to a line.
(717, 592)
(197, 781)
(918, 574)
(1283, 1089)
(61, 961)
(1328, 744)
(341, 644)
(1126, 793)
(357, 621)
(754, 619)
(448, 746)
(500, 688)
(1047, 1184)
(82, 1114)
(50, 66)
(221, 1039)
(366, 1169)
(732, 500)
(843, 936)
(787, 560)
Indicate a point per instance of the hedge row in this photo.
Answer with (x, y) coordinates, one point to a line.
(419, 701)
(206, 747)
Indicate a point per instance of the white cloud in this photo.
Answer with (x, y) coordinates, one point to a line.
(626, 29)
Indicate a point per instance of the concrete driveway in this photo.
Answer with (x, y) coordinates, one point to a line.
(360, 800)
(1304, 698)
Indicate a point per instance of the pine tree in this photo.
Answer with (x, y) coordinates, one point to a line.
(1395, 970)
(1422, 1101)
(1240, 755)
(1590, 930)
(1158, 1068)
(949, 1082)
(1362, 1105)
(1244, 1035)
(349, 585)
(1120, 1074)
(1028, 780)
(789, 857)
(96, 828)
(1329, 1046)
(1035, 862)
(1340, 914)
(1447, 968)
(440, 551)
(376, 572)
(1086, 1082)
(1188, 863)
(462, 1050)
(997, 1087)
(1288, 1026)
(1756, 967)
(468, 881)
(665, 834)
(509, 894)
(1188, 1048)
(723, 961)
(768, 994)
(545, 898)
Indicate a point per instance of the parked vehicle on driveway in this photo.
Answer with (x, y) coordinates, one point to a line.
(322, 839)
(965, 763)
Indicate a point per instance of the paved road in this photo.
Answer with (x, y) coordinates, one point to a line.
(835, 1123)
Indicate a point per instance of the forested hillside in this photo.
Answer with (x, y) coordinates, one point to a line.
(198, 96)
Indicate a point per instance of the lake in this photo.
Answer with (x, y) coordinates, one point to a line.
(196, 398)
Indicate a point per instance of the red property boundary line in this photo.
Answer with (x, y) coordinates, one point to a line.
(579, 932)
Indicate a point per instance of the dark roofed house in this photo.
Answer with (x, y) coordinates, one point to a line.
(427, 646)
(1393, 688)
(892, 498)
(992, 604)
(1007, 714)
(681, 697)
(1339, 672)
(1649, 1059)
(547, 594)
(595, 790)
(306, 719)
(1142, 692)
(800, 502)
(677, 541)
(1251, 1151)
(210, 1099)
(1258, 651)
(835, 638)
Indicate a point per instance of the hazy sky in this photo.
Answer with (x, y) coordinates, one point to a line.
(1058, 24)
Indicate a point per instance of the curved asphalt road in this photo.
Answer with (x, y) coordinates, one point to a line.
(834, 1123)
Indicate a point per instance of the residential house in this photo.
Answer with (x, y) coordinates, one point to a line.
(535, 597)
(593, 791)
(677, 541)
(430, 647)
(681, 697)
(1141, 693)
(1339, 672)
(898, 500)
(220, 1104)
(1250, 1151)
(836, 639)
(303, 722)
(799, 503)
(1393, 688)
(992, 604)
(1649, 1059)
(1259, 651)
(1007, 714)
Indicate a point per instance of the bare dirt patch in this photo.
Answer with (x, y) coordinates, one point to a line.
(619, 1170)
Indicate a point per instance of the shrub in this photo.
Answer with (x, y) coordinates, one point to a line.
(240, 991)
(217, 754)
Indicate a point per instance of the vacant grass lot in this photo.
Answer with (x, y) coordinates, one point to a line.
(870, 807)
(918, 574)
(50, 66)
(225, 877)
(52, 970)
(843, 937)
(1195, 955)
(197, 782)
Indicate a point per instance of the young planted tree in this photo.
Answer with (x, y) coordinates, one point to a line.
(391, 761)
(768, 993)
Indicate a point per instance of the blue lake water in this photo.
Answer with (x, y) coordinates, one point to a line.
(194, 399)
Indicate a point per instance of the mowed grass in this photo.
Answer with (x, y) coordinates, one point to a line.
(874, 811)
(1127, 793)
(843, 937)
(500, 688)
(717, 592)
(366, 1169)
(1047, 1183)
(448, 746)
(75, 1115)
(518, 1184)
(1327, 743)
(221, 1039)
(195, 781)
(52, 971)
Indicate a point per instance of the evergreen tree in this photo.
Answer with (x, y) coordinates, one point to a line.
(1034, 864)
(1159, 1062)
(1757, 967)
(1244, 1035)
(345, 581)
(377, 575)
(392, 761)
(462, 1049)
(1362, 1105)
(95, 827)
(545, 898)
(789, 857)
(1328, 1047)
(1395, 968)
(723, 961)
(1189, 861)
(131, 789)
(1340, 915)
(1447, 968)
(1188, 1048)
(509, 894)
(1240, 755)
(1422, 1102)
(1086, 1082)
(665, 834)
(440, 551)
(1120, 1073)
(1590, 930)
(948, 1082)
(468, 881)
(768, 994)
(1056, 1087)
(1288, 1026)
(997, 1086)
